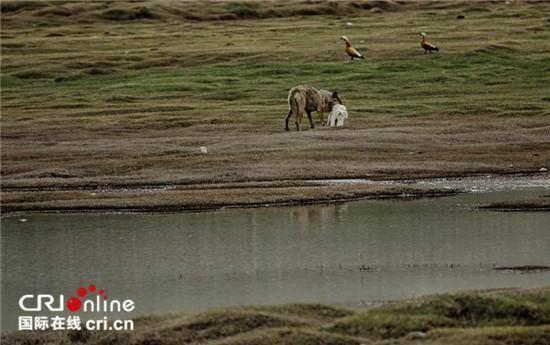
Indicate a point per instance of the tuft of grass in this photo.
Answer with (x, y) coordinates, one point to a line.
(311, 311)
(491, 336)
(137, 13)
(292, 336)
(449, 311)
(224, 324)
(381, 324)
(483, 310)
(243, 9)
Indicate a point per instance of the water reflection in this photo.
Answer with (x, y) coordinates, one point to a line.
(323, 253)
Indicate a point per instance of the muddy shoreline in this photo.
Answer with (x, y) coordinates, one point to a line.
(184, 198)
(82, 185)
(404, 194)
(539, 205)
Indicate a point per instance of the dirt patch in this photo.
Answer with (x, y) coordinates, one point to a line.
(529, 268)
(541, 204)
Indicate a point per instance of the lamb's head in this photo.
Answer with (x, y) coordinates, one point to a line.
(340, 111)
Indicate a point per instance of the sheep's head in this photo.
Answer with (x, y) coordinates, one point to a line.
(336, 97)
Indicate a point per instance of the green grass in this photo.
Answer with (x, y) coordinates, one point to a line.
(460, 85)
(512, 317)
(449, 311)
(223, 66)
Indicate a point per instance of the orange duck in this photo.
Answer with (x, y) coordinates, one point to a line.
(428, 47)
(352, 52)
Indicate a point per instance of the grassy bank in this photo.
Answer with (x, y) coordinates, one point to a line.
(488, 318)
(110, 93)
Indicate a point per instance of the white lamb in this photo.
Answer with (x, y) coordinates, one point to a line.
(337, 116)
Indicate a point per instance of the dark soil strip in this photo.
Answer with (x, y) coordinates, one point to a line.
(527, 268)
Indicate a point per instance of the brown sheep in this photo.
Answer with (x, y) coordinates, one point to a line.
(307, 99)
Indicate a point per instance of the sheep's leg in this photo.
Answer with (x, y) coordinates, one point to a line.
(320, 111)
(310, 119)
(287, 119)
(298, 119)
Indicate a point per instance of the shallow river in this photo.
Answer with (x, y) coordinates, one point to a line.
(350, 255)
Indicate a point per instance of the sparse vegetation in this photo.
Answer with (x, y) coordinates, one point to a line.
(129, 14)
(243, 9)
(505, 317)
(118, 92)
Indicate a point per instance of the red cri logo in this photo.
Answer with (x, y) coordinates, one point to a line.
(75, 303)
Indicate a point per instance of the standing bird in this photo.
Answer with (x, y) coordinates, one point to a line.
(352, 52)
(428, 47)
